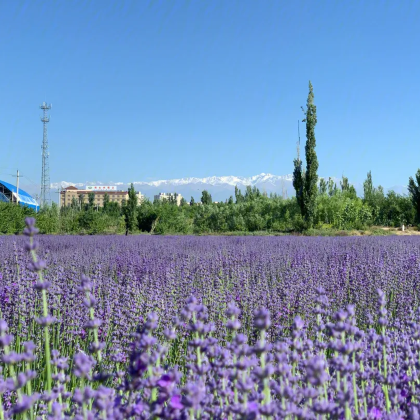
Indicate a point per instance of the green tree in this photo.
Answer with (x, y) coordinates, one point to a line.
(183, 202)
(130, 210)
(147, 215)
(352, 193)
(238, 195)
(91, 200)
(368, 189)
(206, 198)
(310, 189)
(69, 218)
(331, 187)
(251, 193)
(48, 219)
(114, 209)
(81, 201)
(12, 217)
(106, 202)
(344, 183)
(322, 186)
(414, 191)
(74, 204)
(347, 188)
(298, 182)
(192, 201)
(397, 210)
(173, 199)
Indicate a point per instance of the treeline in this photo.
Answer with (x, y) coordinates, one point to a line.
(336, 207)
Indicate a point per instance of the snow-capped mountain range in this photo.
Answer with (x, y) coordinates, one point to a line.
(222, 180)
(211, 180)
(220, 187)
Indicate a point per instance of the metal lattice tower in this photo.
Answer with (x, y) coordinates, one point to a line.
(45, 177)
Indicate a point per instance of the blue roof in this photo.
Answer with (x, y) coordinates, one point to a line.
(24, 198)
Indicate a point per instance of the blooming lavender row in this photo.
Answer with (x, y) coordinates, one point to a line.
(225, 359)
(135, 275)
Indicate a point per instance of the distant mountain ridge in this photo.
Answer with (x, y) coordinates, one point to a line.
(220, 187)
(221, 180)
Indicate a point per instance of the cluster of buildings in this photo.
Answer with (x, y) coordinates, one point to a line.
(118, 196)
(14, 194)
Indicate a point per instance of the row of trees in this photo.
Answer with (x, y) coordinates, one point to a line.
(335, 206)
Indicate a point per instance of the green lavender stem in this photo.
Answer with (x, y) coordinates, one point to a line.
(29, 390)
(385, 387)
(95, 330)
(363, 389)
(12, 374)
(267, 395)
(46, 332)
(197, 336)
(356, 402)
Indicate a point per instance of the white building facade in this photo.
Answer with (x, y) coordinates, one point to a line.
(168, 196)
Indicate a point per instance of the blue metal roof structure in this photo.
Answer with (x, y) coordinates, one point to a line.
(24, 198)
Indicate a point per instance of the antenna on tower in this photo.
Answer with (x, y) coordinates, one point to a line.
(45, 177)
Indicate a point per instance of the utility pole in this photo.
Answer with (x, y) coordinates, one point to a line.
(17, 185)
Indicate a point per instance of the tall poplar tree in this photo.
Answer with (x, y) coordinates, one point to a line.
(310, 189)
(331, 187)
(305, 182)
(91, 200)
(130, 210)
(298, 178)
(238, 195)
(322, 186)
(368, 189)
(106, 202)
(345, 186)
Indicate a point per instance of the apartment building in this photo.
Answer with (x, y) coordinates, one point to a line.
(167, 196)
(82, 195)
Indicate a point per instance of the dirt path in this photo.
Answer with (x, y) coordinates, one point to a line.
(397, 231)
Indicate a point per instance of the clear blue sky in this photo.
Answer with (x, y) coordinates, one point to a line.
(168, 89)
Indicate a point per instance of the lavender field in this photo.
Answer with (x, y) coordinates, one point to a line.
(149, 327)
